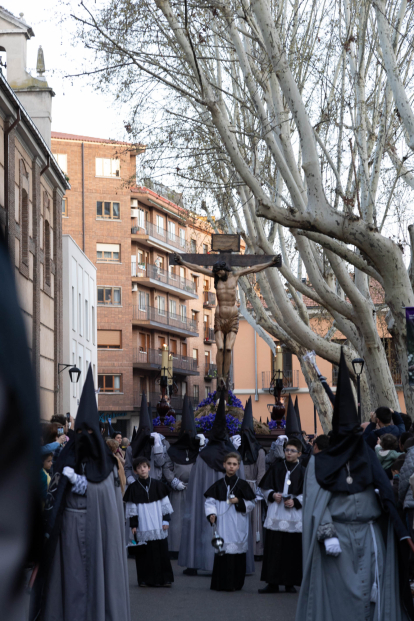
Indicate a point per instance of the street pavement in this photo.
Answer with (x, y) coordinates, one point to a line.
(190, 599)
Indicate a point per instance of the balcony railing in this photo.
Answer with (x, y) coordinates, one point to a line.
(153, 357)
(208, 335)
(290, 379)
(395, 374)
(161, 234)
(163, 276)
(150, 313)
(210, 372)
(154, 397)
(209, 299)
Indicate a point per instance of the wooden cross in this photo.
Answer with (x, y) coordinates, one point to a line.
(224, 245)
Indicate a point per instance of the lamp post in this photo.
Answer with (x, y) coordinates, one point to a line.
(277, 411)
(166, 380)
(74, 372)
(358, 365)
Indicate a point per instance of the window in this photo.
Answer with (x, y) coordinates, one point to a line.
(184, 349)
(195, 281)
(109, 296)
(141, 259)
(106, 167)
(173, 346)
(80, 315)
(109, 383)
(171, 229)
(86, 320)
(161, 305)
(93, 325)
(205, 249)
(65, 207)
(25, 228)
(47, 254)
(108, 210)
(160, 224)
(206, 284)
(110, 339)
(195, 355)
(173, 307)
(193, 245)
(161, 343)
(196, 393)
(73, 310)
(182, 238)
(207, 358)
(183, 389)
(142, 301)
(62, 160)
(141, 218)
(207, 392)
(144, 342)
(183, 313)
(108, 252)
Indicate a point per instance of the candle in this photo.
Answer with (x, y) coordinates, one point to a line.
(170, 370)
(278, 359)
(164, 360)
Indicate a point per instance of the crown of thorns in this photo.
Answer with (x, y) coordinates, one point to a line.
(221, 266)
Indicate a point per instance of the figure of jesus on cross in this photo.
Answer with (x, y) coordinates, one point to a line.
(226, 320)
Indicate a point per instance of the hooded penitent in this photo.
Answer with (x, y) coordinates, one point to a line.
(186, 449)
(292, 424)
(296, 406)
(250, 446)
(348, 458)
(142, 443)
(88, 452)
(134, 434)
(219, 443)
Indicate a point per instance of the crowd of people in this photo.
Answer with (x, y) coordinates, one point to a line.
(333, 514)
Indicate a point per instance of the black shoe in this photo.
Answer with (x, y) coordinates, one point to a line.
(269, 588)
(167, 584)
(190, 572)
(142, 584)
(290, 589)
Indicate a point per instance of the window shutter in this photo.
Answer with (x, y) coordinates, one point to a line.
(109, 338)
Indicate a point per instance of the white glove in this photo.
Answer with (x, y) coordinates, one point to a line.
(177, 484)
(157, 438)
(202, 438)
(130, 479)
(332, 546)
(280, 440)
(70, 474)
(236, 440)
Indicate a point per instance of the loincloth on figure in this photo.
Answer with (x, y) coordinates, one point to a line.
(226, 325)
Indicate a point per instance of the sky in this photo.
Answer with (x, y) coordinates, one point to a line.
(76, 108)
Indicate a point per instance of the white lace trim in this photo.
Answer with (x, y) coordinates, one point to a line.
(151, 535)
(80, 486)
(131, 510)
(286, 526)
(235, 548)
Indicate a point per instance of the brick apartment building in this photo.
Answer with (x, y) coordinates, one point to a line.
(127, 232)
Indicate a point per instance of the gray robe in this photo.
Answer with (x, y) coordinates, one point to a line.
(196, 550)
(178, 500)
(254, 474)
(161, 464)
(339, 588)
(89, 574)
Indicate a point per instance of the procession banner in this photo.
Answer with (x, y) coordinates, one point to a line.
(409, 316)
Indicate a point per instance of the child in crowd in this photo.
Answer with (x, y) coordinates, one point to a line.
(387, 451)
(228, 503)
(282, 488)
(149, 509)
(47, 465)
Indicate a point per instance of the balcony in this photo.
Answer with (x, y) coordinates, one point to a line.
(151, 360)
(163, 280)
(208, 335)
(210, 372)
(154, 397)
(159, 318)
(153, 235)
(395, 374)
(209, 299)
(290, 379)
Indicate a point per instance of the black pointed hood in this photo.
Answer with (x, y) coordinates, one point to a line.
(134, 433)
(185, 450)
(88, 452)
(296, 406)
(141, 445)
(292, 425)
(150, 416)
(250, 446)
(347, 456)
(219, 443)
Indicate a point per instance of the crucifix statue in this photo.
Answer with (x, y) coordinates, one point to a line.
(226, 320)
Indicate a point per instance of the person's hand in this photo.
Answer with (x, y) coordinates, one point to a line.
(275, 260)
(373, 417)
(332, 546)
(236, 440)
(70, 474)
(277, 497)
(202, 438)
(134, 531)
(379, 441)
(233, 501)
(289, 503)
(212, 519)
(62, 439)
(157, 438)
(178, 259)
(165, 526)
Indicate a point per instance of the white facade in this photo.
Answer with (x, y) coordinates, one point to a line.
(79, 320)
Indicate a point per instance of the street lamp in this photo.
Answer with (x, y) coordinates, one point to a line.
(358, 365)
(74, 372)
(166, 382)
